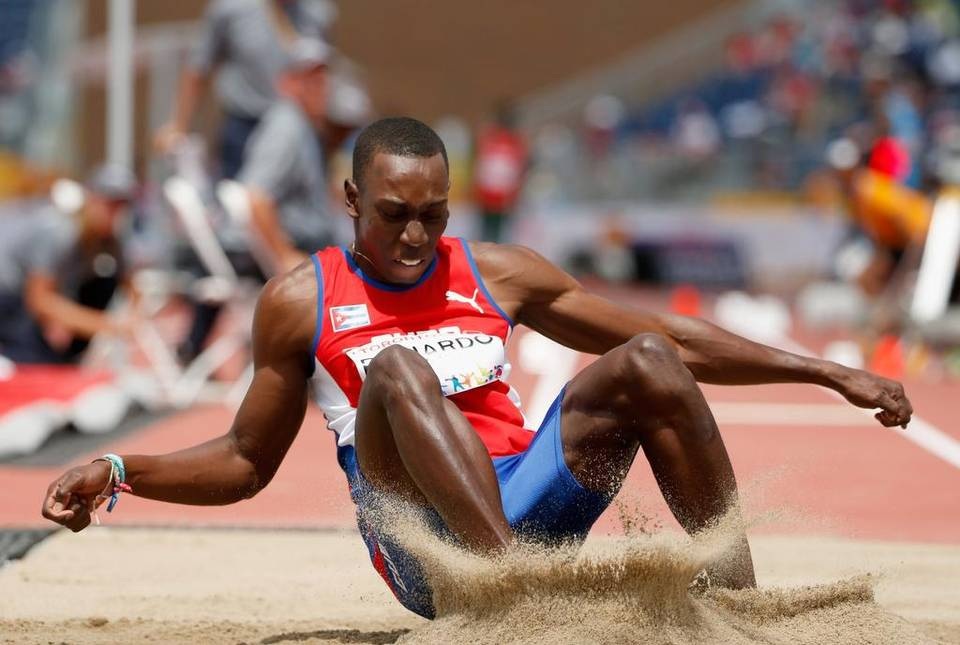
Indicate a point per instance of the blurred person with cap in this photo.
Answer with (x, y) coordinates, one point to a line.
(283, 166)
(58, 271)
(283, 175)
(245, 44)
(348, 109)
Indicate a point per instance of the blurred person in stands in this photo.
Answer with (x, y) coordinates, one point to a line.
(58, 271)
(501, 166)
(893, 99)
(695, 133)
(283, 175)
(245, 45)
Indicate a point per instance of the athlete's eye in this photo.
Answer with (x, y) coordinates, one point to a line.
(434, 216)
(393, 216)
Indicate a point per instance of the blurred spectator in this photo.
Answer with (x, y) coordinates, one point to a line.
(602, 116)
(58, 271)
(896, 120)
(501, 166)
(283, 174)
(695, 132)
(245, 43)
(458, 138)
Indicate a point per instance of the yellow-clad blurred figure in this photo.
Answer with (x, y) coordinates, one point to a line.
(895, 217)
(892, 214)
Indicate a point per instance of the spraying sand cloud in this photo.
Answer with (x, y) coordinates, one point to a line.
(631, 589)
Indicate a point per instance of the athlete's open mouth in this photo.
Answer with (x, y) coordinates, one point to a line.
(409, 263)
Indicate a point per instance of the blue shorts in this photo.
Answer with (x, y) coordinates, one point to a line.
(541, 500)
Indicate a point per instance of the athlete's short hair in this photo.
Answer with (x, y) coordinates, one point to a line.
(400, 135)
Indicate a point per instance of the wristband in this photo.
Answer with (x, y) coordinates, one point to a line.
(116, 461)
(116, 484)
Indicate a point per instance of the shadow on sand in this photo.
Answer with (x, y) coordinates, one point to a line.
(338, 636)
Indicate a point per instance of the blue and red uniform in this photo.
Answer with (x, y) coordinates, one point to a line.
(450, 319)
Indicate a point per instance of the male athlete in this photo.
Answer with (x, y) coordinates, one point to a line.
(401, 336)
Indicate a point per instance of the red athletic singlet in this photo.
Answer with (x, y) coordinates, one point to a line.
(448, 317)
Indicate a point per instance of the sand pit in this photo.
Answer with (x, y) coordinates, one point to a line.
(221, 586)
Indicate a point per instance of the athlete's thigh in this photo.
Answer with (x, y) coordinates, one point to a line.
(599, 442)
(377, 456)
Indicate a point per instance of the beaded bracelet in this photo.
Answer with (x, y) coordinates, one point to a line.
(116, 484)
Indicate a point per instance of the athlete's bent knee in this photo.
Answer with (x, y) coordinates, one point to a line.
(651, 357)
(652, 369)
(400, 371)
(652, 347)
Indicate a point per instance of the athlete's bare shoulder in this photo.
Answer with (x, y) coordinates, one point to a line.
(497, 262)
(517, 275)
(287, 311)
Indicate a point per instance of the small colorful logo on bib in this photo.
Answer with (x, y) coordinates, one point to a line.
(349, 317)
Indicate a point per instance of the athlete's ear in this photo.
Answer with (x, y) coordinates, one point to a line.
(352, 194)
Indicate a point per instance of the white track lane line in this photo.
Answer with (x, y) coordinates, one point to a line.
(920, 431)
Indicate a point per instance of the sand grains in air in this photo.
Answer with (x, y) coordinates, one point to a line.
(632, 589)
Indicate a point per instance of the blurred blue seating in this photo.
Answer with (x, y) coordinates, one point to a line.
(14, 27)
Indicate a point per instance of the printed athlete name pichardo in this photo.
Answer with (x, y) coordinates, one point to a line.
(425, 347)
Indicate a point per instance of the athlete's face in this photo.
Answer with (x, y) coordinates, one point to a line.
(399, 215)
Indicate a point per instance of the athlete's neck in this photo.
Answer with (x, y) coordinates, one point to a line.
(361, 260)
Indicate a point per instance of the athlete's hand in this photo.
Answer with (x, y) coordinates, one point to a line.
(867, 390)
(70, 498)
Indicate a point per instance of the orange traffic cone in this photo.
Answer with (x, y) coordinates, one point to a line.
(888, 359)
(685, 300)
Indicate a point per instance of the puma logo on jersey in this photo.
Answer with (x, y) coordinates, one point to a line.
(453, 296)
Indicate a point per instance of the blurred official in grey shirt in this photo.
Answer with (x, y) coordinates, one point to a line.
(283, 178)
(283, 165)
(245, 44)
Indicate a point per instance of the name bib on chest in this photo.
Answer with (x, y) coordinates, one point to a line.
(461, 360)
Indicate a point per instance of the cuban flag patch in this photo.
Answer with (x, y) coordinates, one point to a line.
(349, 317)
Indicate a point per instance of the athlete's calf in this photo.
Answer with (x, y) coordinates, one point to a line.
(641, 395)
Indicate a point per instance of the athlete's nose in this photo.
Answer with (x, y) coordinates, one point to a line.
(414, 234)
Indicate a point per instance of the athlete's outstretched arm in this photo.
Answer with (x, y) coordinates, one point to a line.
(545, 298)
(241, 462)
